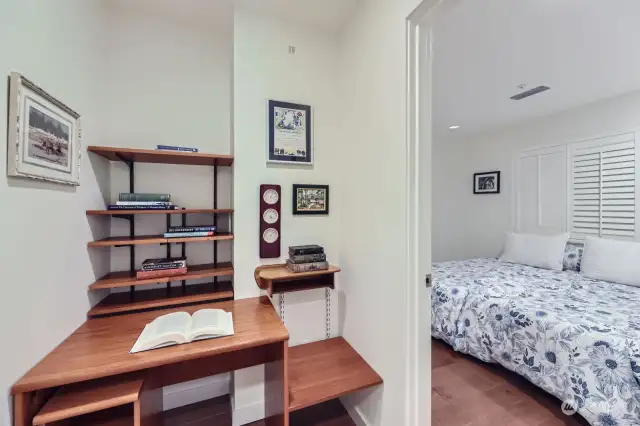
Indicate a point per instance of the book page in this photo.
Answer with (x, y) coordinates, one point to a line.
(207, 323)
(166, 330)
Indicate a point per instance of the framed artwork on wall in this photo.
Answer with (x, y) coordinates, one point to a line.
(289, 133)
(486, 183)
(311, 199)
(43, 136)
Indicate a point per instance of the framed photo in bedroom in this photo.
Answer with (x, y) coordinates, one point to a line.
(43, 136)
(486, 183)
(289, 133)
(311, 199)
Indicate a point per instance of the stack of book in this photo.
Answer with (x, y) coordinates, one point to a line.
(157, 268)
(135, 201)
(307, 258)
(189, 231)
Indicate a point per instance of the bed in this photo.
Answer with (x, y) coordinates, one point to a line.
(576, 338)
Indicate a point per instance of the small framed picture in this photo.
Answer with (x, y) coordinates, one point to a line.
(310, 199)
(486, 183)
(43, 135)
(289, 133)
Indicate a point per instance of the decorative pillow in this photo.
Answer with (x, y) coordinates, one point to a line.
(535, 250)
(572, 258)
(611, 260)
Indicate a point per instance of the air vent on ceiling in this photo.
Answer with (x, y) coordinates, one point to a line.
(531, 92)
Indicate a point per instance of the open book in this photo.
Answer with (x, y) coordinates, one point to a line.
(180, 327)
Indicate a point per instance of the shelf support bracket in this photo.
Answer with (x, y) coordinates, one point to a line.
(327, 305)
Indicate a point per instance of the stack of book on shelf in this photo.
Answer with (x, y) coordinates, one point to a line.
(135, 201)
(158, 268)
(189, 231)
(307, 258)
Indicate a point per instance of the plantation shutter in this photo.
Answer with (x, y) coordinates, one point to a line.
(603, 188)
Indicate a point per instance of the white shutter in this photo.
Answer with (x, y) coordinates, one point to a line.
(603, 187)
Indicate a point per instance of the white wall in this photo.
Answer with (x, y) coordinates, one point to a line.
(46, 264)
(263, 70)
(467, 225)
(373, 206)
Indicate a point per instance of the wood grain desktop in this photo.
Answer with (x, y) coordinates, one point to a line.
(468, 392)
(100, 347)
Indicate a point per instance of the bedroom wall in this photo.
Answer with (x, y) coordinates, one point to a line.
(263, 70)
(46, 265)
(373, 243)
(467, 226)
(169, 81)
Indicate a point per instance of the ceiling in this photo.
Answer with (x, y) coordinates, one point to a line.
(585, 50)
(329, 15)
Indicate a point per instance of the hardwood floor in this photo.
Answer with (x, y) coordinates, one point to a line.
(218, 412)
(469, 392)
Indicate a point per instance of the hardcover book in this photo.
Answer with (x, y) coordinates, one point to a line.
(173, 229)
(134, 196)
(176, 148)
(143, 275)
(143, 203)
(307, 267)
(188, 234)
(166, 263)
(308, 258)
(309, 249)
(180, 327)
(139, 207)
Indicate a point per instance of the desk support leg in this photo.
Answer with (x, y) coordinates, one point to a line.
(26, 405)
(276, 387)
(147, 410)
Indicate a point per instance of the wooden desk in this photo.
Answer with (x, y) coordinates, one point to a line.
(100, 348)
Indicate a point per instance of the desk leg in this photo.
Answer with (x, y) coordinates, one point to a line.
(147, 410)
(26, 405)
(276, 386)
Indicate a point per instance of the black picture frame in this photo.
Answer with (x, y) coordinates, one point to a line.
(491, 184)
(296, 202)
(272, 156)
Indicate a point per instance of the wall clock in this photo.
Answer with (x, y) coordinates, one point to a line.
(270, 201)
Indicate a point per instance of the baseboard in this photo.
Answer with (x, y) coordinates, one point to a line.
(195, 391)
(354, 412)
(248, 413)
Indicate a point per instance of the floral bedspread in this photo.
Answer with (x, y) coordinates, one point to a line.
(576, 338)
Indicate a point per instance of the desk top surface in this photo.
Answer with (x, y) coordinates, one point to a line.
(100, 347)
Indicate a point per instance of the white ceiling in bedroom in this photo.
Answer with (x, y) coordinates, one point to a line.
(585, 50)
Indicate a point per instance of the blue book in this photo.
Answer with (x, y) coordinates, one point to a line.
(187, 234)
(176, 148)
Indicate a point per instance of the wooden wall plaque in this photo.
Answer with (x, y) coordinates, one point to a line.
(270, 218)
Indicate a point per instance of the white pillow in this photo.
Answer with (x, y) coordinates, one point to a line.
(611, 260)
(535, 250)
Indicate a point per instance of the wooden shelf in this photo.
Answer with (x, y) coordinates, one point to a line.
(118, 416)
(128, 278)
(182, 211)
(88, 397)
(163, 157)
(155, 239)
(279, 279)
(321, 371)
(117, 303)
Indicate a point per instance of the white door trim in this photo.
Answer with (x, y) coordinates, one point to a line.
(419, 134)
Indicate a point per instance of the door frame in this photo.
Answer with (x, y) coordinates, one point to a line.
(418, 175)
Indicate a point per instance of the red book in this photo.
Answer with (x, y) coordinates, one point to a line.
(143, 275)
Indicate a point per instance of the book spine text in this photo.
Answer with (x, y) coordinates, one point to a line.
(176, 148)
(164, 266)
(174, 229)
(306, 267)
(129, 196)
(308, 258)
(138, 207)
(188, 234)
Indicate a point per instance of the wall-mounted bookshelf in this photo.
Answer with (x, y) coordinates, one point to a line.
(135, 299)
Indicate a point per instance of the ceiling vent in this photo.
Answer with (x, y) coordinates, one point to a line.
(531, 92)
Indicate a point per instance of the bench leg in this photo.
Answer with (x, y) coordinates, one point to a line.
(276, 386)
